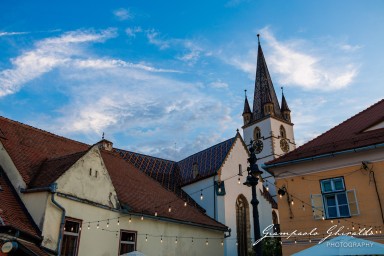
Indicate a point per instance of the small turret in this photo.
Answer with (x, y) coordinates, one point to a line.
(285, 111)
(247, 113)
(268, 105)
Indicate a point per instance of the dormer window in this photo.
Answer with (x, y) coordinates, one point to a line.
(195, 170)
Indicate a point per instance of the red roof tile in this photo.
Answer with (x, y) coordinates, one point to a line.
(350, 134)
(28, 147)
(12, 210)
(144, 195)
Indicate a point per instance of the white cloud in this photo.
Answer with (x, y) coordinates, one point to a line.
(47, 55)
(12, 33)
(218, 84)
(298, 63)
(123, 14)
(299, 67)
(350, 48)
(131, 32)
(153, 38)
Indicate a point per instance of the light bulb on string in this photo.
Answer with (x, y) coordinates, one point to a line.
(281, 196)
(108, 223)
(238, 180)
(201, 195)
(237, 243)
(222, 243)
(266, 187)
(292, 203)
(161, 239)
(295, 241)
(89, 225)
(303, 207)
(219, 190)
(146, 238)
(192, 239)
(80, 228)
(353, 226)
(130, 219)
(176, 240)
(155, 213)
(118, 221)
(206, 242)
(142, 217)
(169, 209)
(185, 203)
(323, 217)
(98, 225)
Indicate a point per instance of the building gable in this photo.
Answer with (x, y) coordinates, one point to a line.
(89, 179)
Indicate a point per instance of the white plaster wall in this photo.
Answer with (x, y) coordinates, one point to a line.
(227, 207)
(36, 204)
(105, 242)
(194, 191)
(77, 181)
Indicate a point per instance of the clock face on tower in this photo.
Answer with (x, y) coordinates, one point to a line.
(258, 145)
(284, 145)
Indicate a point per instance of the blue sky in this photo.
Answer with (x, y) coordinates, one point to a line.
(168, 78)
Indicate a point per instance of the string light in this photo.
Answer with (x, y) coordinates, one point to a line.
(206, 241)
(353, 226)
(222, 243)
(192, 239)
(331, 221)
(303, 207)
(89, 225)
(185, 203)
(238, 180)
(142, 217)
(176, 241)
(280, 196)
(130, 219)
(161, 239)
(292, 203)
(237, 243)
(80, 228)
(219, 189)
(266, 187)
(169, 209)
(146, 238)
(295, 241)
(322, 217)
(118, 221)
(155, 213)
(201, 195)
(98, 225)
(108, 223)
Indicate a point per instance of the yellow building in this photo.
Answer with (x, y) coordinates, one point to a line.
(333, 184)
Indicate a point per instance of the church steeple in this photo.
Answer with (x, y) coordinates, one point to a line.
(247, 113)
(265, 95)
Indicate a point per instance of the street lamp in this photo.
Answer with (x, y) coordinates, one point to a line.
(253, 176)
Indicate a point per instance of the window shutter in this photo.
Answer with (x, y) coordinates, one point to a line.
(352, 202)
(317, 206)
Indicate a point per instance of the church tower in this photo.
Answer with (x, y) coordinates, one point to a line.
(268, 125)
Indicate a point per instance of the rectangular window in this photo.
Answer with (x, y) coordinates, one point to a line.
(127, 242)
(334, 201)
(71, 237)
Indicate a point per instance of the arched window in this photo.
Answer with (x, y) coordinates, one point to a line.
(242, 225)
(283, 134)
(256, 133)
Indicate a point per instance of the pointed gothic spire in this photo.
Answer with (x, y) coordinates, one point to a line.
(247, 108)
(264, 90)
(284, 105)
(247, 113)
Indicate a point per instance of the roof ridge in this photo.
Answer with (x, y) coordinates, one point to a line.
(208, 148)
(41, 130)
(129, 151)
(66, 156)
(332, 129)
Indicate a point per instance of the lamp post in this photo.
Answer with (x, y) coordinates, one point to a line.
(252, 181)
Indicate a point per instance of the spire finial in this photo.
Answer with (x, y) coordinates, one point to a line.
(282, 90)
(258, 38)
(245, 91)
(102, 137)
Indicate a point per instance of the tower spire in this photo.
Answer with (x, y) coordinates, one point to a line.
(264, 90)
(285, 111)
(247, 113)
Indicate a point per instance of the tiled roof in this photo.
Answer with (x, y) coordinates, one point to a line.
(12, 211)
(208, 161)
(50, 170)
(41, 158)
(28, 147)
(144, 195)
(350, 134)
(164, 171)
(33, 248)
